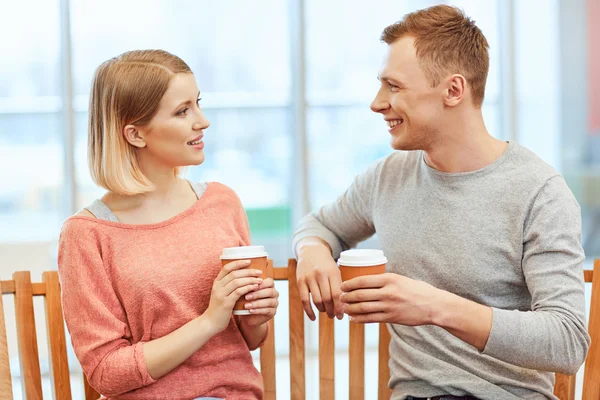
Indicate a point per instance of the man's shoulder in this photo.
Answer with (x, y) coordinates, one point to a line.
(530, 164)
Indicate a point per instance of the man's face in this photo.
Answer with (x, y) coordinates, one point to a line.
(412, 108)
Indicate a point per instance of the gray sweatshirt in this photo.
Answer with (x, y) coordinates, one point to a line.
(507, 236)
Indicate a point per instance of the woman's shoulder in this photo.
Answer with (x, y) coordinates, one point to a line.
(84, 212)
(222, 191)
(78, 225)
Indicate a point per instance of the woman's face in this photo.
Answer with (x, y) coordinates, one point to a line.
(173, 137)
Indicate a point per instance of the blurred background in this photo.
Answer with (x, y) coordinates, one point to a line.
(286, 85)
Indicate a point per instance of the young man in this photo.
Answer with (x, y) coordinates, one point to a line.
(484, 290)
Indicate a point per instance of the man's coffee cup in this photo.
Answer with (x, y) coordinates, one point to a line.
(360, 262)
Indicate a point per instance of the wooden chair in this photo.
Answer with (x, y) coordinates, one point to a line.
(564, 387)
(23, 290)
(326, 350)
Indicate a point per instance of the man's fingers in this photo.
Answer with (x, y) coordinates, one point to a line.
(335, 282)
(361, 295)
(368, 307)
(315, 293)
(364, 282)
(369, 318)
(326, 297)
(305, 298)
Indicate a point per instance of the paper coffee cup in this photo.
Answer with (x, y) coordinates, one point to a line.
(361, 262)
(258, 260)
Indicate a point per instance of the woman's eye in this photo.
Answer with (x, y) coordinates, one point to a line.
(183, 112)
(198, 101)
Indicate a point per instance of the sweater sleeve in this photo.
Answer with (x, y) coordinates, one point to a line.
(552, 336)
(348, 220)
(94, 316)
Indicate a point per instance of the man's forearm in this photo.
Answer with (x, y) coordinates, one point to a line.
(465, 319)
(311, 242)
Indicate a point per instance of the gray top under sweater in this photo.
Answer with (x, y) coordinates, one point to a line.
(101, 211)
(507, 236)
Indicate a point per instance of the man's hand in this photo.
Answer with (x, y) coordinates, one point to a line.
(389, 298)
(396, 299)
(318, 276)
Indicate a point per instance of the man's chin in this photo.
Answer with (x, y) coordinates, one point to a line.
(398, 144)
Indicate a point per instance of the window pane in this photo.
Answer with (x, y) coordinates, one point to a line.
(245, 50)
(343, 142)
(344, 53)
(250, 151)
(31, 155)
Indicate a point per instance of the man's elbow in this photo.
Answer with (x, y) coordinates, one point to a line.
(575, 355)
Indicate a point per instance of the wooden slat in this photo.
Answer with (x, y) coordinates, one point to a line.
(564, 387)
(267, 354)
(90, 392)
(326, 357)
(280, 273)
(57, 347)
(27, 338)
(8, 287)
(5, 380)
(267, 363)
(357, 361)
(591, 379)
(297, 364)
(588, 275)
(384, 392)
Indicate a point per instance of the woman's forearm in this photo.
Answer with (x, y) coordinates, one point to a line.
(253, 335)
(168, 352)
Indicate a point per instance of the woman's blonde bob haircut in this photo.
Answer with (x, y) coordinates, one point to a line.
(126, 90)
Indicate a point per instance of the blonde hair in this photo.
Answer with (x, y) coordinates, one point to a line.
(126, 90)
(446, 41)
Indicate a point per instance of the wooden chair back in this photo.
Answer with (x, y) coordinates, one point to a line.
(564, 387)
(24, 290)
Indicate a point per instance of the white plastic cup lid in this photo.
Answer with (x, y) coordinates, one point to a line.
(361, 258)
(243, 252)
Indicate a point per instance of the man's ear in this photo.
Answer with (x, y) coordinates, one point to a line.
(456, 87)
(133, 136)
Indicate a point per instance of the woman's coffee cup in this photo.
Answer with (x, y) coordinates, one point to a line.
(258, 260)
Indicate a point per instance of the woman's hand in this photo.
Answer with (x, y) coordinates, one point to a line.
(234, 281)
(262, 304)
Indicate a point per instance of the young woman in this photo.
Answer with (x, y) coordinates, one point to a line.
(146, 301)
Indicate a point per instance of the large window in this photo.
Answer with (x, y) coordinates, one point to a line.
(287, 95)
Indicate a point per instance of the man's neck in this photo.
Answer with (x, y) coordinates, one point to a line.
(465, 147)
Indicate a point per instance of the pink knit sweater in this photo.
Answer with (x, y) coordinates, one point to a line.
(124, 284)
